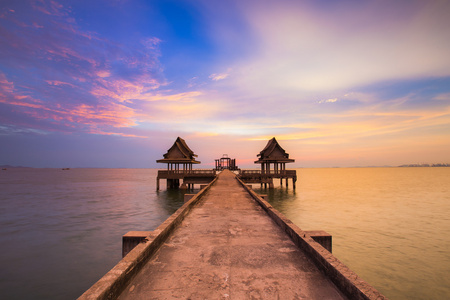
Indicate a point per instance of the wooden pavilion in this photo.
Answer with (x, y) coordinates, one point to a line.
(226, 162)
(273, 159)
(179, 159)
(273, 154)
(179, 155)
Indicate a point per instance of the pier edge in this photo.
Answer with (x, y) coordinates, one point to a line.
(112, 283)
(345, 279)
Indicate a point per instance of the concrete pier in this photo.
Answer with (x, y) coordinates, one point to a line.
(228, 243)
(228, 248)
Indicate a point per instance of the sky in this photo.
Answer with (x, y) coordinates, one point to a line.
(113, 83)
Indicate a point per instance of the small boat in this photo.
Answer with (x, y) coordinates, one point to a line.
(66, 169)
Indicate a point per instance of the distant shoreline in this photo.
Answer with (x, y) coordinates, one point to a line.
(440, 165)
(424, 165)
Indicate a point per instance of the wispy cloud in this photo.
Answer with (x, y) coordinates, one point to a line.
(52, 8)
(77, 79)
(331, 100)
(217, 77)
(303, 47)
(326, 80)
(69, 116)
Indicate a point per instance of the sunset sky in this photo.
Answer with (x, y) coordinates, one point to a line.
(113, 83)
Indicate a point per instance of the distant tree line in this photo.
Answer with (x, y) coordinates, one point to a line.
(426, 165)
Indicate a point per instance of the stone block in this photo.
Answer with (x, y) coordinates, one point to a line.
(321, 237)
(188, 197)
(131, 239)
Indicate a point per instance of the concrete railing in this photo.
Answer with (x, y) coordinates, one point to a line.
(111, 285)
(187, 172)
(345, 279)
(270, 172)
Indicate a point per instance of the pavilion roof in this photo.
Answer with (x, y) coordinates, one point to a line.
(273, 152)
(179, 153)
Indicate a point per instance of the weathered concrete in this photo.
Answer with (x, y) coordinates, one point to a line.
(228, 248)
(347, 281)
(322, 237)
(131, 239)
(188, 197)
(116, 280)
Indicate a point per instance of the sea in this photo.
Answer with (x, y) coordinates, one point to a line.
(61, 230)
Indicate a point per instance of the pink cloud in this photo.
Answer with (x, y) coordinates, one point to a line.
(78, 80)
(184, 97)
(217, 77)
(59, 83)
(124, 90)
(51, 8)
(5, 85)
(90, 115)
(97, 131)
(35, 25)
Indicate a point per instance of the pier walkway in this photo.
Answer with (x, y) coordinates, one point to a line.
(229, 248)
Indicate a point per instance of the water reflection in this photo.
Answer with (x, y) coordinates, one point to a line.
(389, 225)
(61, 231)
(172, 199)
(279, 197)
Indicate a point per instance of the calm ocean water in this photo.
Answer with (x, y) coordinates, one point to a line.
(60, 231)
